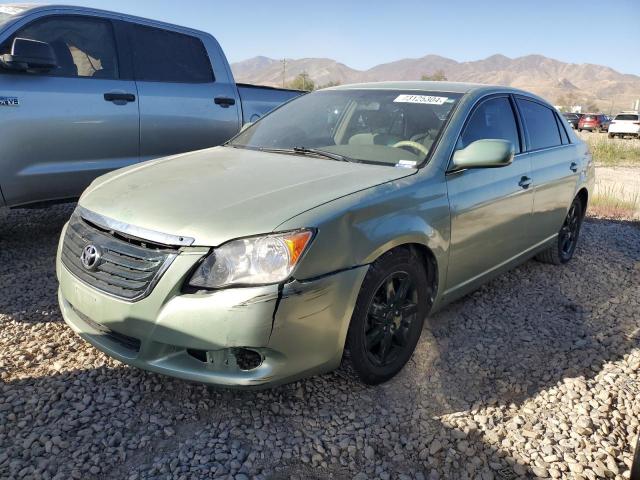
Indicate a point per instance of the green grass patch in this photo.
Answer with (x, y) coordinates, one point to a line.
(611, 203)
(613, 151)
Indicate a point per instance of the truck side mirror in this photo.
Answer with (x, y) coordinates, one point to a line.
(27, 54)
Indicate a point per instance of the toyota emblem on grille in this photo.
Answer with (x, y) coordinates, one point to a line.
(90, 257)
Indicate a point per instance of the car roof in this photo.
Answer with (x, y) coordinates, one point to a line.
(454, 87)
(432, 86)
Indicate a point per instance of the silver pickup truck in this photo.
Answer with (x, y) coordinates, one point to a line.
(86, 91)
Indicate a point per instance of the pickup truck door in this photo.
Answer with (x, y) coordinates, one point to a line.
(67, 125)
(490, 207)
(185, 104)
(555, 165)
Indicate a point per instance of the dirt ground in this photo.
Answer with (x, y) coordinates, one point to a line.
(623, 181)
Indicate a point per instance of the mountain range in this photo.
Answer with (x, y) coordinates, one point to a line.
(557, 81)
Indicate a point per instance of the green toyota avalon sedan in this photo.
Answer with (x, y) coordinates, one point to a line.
(340, 221)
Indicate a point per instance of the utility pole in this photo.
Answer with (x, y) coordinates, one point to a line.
(284, 70)
(612, 102)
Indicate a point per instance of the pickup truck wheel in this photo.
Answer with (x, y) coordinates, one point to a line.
(564, 248)
(388, 317)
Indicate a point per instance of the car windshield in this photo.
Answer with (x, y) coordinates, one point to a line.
(388, 127)
(7, 12)
(627, 116)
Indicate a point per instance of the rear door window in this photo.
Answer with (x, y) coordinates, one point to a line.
(492, 119)
(84, 47)
(540, 123)
(164, 56)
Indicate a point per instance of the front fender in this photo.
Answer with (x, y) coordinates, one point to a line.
(357, 229)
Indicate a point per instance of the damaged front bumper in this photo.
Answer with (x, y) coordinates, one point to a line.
(241, 337)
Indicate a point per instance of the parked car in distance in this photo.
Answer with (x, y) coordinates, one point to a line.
(572, 118)
(340, 220)
(594, 122)
(85, 91)
(625, 124)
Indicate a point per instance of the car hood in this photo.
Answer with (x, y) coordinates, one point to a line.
(222, 193)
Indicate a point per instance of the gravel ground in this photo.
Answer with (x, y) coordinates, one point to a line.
(535, 374)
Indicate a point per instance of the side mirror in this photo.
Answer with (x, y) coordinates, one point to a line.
(29, 54)
(486, 153)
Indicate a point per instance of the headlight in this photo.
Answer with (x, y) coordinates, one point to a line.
(252, 261)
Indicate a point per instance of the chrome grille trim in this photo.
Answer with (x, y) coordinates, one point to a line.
(126, 271)
(137, 232)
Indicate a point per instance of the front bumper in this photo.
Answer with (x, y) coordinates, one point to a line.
(298, 329)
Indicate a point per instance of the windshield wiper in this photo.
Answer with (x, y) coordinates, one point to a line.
(324, 153)
(302, 150)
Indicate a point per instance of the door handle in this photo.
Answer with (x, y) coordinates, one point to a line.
(573, 167)
(119, 97)
(525, 182)
(224, 102)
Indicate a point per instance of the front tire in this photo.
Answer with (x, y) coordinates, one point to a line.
(562, 251)
(389, 315)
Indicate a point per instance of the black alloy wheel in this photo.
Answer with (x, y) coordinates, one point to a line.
(390, 311)
(568, 236)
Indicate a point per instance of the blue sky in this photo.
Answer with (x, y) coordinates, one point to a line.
(362, 33)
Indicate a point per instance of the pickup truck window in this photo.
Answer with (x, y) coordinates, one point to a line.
(84, 47)
(164, 56)
(492, 119)
(387, 127)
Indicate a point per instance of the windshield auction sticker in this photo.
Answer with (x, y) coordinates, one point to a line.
(424, 99)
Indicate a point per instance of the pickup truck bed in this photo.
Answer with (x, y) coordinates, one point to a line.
(258, 100)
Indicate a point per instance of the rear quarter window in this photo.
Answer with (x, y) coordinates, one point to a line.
(164, 56)
(563, 132)
(540, 123)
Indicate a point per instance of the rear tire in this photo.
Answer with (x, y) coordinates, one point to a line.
(389, 315)
(565, 246)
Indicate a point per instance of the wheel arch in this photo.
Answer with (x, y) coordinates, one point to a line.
(583, 196)
(427, 256)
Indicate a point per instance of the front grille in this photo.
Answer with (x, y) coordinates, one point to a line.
(125, 269)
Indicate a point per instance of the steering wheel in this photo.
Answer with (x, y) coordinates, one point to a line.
(415, 145)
